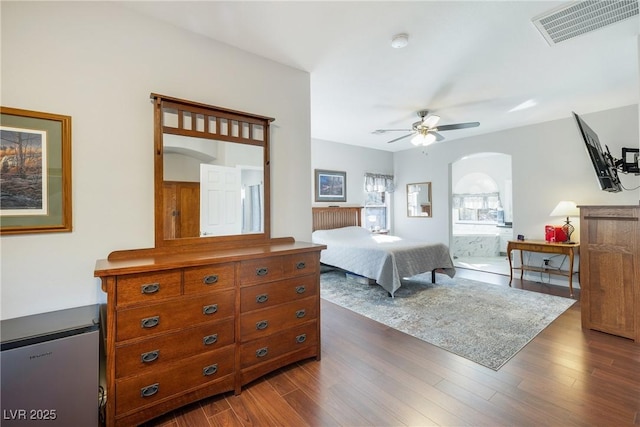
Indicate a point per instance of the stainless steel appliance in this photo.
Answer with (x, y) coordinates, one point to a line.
(49, 368)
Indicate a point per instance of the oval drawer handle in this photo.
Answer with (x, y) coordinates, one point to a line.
(150, 288)
(210, 370)
(262, 271)
(300, 313)
(210, 309)
(149, 356)
(150, 322)
(300, 289)
(301, 265)
(262, 352)
(210, 339)
(149, 390)
(261, 325)
(301, 338)
(210, 279)
(262, 298)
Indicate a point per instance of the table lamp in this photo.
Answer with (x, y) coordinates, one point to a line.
(566, 209)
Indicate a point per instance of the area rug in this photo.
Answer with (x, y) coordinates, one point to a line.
(482, 322)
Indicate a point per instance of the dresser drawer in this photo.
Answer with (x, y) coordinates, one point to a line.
(274, 293)
(175, 314)
(300, 264)
(141, 390)
(260, 323)
(261, 270)
(199, 280)
(157, 352)
(264, 349)
(147, 287)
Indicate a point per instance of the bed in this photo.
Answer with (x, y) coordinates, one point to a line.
(383, 258)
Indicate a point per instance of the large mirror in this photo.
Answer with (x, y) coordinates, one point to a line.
(419, 200)
(212, 174)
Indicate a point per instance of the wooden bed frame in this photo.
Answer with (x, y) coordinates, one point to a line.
(327, 218)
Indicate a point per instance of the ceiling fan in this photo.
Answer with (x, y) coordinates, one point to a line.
(425, 131)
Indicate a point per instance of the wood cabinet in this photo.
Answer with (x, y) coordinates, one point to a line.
(181, 202)
(186, 324)
(610, 269)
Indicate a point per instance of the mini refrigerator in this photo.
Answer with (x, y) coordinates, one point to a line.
(49, 368)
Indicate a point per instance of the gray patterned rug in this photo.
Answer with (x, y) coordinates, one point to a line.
(485, 323)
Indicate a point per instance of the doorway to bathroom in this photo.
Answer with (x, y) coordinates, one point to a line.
(481, 212)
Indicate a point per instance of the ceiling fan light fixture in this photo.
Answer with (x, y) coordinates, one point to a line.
(423, 139)
(399, 41)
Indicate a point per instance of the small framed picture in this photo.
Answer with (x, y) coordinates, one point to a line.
(331, 186)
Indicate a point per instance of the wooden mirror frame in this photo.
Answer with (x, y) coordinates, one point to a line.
(239, 129)
(426, 210)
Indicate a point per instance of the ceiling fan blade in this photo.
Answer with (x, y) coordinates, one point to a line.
(459, 126)
(379, 131)
(431, 121)
(402, 137)
(437, 135)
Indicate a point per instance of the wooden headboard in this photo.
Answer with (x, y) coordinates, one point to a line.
(328, 218)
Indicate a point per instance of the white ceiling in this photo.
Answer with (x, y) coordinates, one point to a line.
(466, 61)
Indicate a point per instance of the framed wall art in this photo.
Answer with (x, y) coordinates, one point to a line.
(331, 186)
(35, 172)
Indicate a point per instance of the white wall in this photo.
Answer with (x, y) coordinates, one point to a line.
(355, 161)
(98, 62)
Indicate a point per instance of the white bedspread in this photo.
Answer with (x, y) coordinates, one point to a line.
(386, 259)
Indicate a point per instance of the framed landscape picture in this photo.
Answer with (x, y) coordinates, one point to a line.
(331, 186)
(35, 171)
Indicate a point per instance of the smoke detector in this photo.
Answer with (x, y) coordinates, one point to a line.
(577, 18)
(399, 41)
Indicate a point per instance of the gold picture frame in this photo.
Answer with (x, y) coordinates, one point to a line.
(35, 172)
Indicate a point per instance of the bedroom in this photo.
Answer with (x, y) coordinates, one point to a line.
(98, 62)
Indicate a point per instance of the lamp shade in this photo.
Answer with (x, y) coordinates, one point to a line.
(565, 208)
(423, 139)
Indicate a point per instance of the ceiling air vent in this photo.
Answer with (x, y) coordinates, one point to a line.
(577, 18)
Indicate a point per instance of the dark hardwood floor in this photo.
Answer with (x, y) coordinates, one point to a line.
(371, 375)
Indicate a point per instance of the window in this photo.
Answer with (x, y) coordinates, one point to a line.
(375, 211)
(478, 208)
(378, 189)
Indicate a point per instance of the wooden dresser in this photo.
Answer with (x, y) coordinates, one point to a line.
(610, 269)
(196, 322)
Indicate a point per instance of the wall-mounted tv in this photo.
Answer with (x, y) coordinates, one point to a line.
(603, 162)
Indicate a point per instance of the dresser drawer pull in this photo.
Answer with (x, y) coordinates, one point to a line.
(262, 325)
(300, 313)
(262, 271)
(150, 288)
(149, 390)
(301, 265)
(262, 298)
(210, 309)
(262, 352)
(210, 279)
(300, 289)
(210, 370)
(150, 322)
(149, 356)
(210, 339)
(301, 338)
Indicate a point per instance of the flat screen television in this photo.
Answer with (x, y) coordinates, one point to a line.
(602, 161)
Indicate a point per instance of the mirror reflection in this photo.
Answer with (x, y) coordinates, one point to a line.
(211, 187)
(419, 199)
